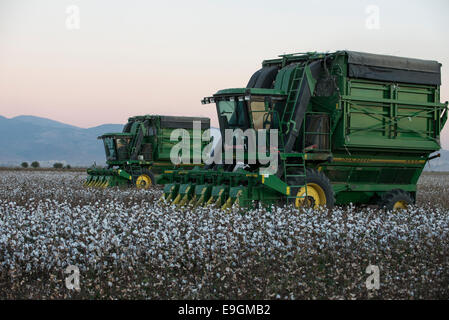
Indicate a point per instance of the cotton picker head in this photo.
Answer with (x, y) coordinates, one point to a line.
(244, 164)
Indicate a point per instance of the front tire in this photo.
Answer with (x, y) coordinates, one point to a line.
(319, 192)
(145, 180)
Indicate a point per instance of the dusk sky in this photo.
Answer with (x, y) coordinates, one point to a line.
(89, 62)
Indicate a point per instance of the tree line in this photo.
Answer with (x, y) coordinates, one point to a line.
(36, 164)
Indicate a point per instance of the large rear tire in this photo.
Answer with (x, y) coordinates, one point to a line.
(145, 180)
(396, 199)
(319, 192)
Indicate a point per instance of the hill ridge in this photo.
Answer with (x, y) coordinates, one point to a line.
(32, 138)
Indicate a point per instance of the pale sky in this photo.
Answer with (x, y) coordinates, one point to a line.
(162, 57)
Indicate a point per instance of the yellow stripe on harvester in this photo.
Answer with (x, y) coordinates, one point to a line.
(379, 160)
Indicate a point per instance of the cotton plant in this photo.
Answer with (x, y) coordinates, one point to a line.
(128, 237)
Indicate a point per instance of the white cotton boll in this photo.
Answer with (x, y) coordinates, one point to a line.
(94, 230)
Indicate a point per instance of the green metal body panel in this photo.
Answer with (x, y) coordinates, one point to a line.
(224, 185)
(380, 132)
(150, 135)
(252, 91)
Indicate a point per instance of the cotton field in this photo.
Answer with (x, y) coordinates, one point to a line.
(127, 245)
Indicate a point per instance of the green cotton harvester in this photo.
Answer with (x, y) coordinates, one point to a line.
(351, 128)
(142, 151)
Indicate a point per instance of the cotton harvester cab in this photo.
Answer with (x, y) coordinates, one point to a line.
(350, 128)
(142, 151)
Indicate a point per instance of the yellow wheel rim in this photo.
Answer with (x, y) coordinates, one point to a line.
(143, 182)
(400, 205)
(315, 195)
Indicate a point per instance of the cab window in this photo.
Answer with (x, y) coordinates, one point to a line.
(234, 111)
(259, 115)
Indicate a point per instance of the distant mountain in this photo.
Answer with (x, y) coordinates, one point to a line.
(44, 122)
(29, 138)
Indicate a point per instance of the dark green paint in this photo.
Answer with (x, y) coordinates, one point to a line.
(380, 133)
